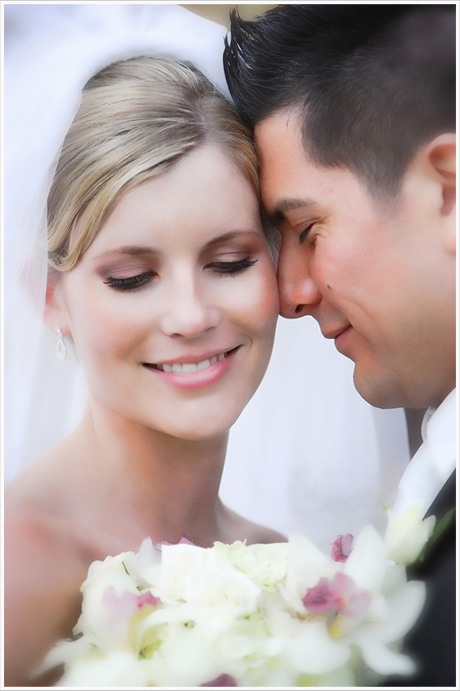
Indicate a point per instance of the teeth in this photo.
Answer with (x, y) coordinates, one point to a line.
(190, 367)
(200, 365)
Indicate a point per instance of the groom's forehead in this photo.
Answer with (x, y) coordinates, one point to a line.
(281, 156)
(291, 183)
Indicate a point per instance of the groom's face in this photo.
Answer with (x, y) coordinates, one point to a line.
(371, 275)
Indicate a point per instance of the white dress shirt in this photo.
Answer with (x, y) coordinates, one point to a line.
(435, 460)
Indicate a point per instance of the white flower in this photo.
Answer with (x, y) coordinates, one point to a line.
(366, 563)
(147, 562)
(186, 658)
(313, 651)
(177, 561)
(215, 591)
(107, 581)
(116, 668)
(374, 609)
(266, 564)
(407, 534)
(260, 615)
(306, 564)
(374, 638)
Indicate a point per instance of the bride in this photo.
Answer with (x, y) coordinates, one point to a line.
(170, 280)
(161, 277)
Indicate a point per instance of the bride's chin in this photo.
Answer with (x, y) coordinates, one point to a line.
(213, 428)
(204, 434)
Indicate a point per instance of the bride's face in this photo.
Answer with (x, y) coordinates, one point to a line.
(173, 307)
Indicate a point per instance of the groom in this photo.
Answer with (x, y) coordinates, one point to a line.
(353, 113)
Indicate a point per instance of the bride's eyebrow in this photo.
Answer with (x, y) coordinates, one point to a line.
(129, 250)
(146, 251)
(232, 235)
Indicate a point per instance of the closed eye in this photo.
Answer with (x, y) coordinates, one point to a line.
(304, 234)
(232, 268)
(130, 282)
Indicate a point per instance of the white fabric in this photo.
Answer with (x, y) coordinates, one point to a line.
(435, 460)
(308, 454)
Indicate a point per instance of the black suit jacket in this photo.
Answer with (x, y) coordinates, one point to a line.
(431, 643)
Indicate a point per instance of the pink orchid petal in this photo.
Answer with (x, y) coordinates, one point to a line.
(341, 547)
(339, 594)
(126, 603)
(147, 599)
(321, 598)
(358, 604)
(119, 605)
(350, 600)
(222, 680)
(183, 541)
(343, 586)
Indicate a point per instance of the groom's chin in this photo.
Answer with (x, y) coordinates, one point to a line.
(378, 389)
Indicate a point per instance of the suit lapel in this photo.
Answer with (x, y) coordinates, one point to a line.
(441, 541)
(445, 500)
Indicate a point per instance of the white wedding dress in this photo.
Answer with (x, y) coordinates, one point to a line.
(308, 454)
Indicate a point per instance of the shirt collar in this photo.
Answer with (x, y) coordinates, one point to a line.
(439, 433)
(435, 460)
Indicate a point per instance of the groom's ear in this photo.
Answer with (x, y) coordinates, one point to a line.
(440, 158)
(55, 314)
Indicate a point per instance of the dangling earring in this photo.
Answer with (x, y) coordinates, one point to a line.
(61, 350)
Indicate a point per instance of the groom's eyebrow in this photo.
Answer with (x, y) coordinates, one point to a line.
(278, 214)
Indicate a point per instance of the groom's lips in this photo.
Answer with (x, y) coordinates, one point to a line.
(339, 335)
(341, 338)
(332, 334)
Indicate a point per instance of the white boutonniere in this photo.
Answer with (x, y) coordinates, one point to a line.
(407, 534)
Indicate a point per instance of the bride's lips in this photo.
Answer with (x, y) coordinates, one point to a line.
(194, 372)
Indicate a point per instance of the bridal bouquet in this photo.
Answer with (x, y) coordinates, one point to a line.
(281, 614)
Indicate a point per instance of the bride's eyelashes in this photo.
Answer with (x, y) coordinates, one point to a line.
(138, 281)
(232, 268)
(130, 282)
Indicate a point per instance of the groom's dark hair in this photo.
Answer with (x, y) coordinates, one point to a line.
(373, 82)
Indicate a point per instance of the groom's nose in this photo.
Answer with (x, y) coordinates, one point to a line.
(298, 292)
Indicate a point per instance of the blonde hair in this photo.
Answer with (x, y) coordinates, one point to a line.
(136, 119)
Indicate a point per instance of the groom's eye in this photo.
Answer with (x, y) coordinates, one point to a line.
(304, 234)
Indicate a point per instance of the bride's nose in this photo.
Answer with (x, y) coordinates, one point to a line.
(189, 310)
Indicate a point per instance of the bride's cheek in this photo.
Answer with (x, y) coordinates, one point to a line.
(267, 295)
(97, 336)
(260, 303)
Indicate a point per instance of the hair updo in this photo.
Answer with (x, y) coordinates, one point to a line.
(136, 119)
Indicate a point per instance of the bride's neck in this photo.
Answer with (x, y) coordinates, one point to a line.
(159, 485)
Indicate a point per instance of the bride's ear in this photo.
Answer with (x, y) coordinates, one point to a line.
(440, 157)
(55, 314)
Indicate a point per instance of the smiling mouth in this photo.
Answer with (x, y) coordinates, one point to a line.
(190, 367)
(334, 334)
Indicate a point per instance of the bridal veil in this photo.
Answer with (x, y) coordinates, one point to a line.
(308, 454)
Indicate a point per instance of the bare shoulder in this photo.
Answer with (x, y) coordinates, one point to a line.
(239, 528)
(262, 534)
(43, 571)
